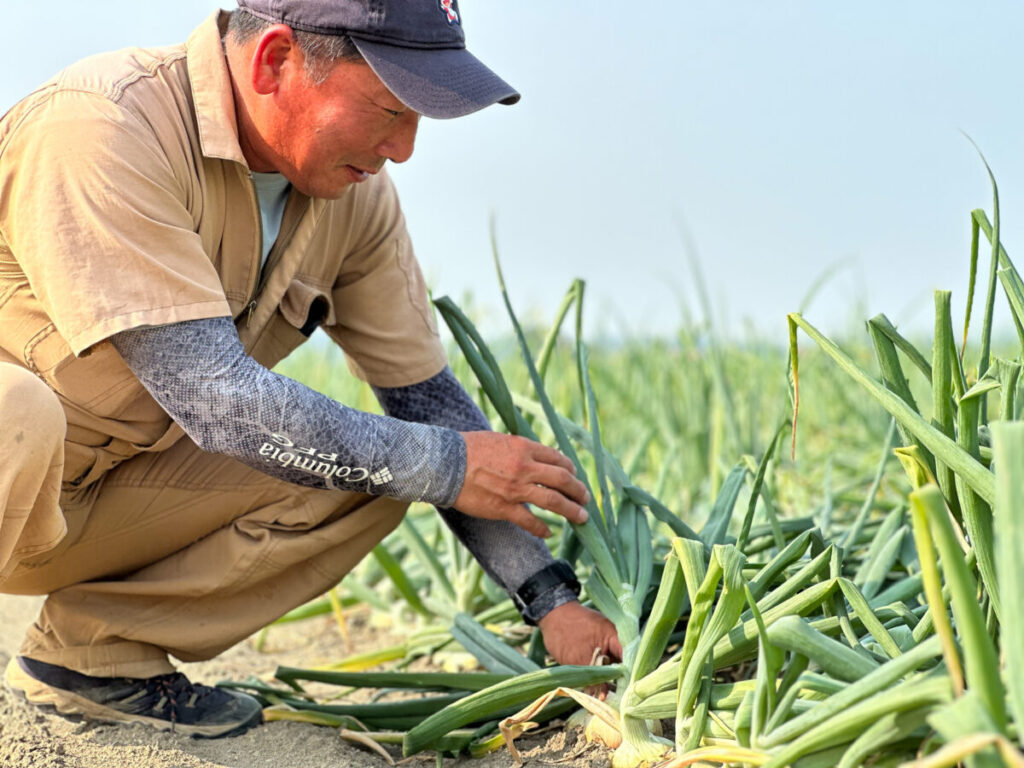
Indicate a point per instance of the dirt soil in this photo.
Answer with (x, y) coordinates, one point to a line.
(32, 738)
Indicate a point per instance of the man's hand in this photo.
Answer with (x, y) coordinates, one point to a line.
(504, 471)
(572, 633)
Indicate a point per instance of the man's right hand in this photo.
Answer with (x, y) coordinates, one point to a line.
(504, 472)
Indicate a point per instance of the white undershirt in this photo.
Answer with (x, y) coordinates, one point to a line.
(272, 192)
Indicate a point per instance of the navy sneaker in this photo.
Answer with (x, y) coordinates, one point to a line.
(167, 702)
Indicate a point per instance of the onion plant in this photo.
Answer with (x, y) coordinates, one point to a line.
(877, 627)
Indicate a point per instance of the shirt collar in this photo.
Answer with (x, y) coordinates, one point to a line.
(211, 90)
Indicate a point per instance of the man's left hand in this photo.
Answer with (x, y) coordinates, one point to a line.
(572, 633)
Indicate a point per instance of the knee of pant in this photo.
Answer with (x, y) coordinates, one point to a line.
(28, 407)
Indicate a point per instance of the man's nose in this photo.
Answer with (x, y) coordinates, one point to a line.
(399, 144)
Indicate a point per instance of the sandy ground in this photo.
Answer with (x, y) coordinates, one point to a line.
(31, 738)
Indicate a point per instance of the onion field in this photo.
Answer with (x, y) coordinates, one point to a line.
(808, 547)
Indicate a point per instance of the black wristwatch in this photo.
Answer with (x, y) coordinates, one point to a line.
(559, 572)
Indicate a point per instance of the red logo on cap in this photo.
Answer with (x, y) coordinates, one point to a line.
(448, 6)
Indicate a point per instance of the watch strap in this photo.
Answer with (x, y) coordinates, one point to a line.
(560, 572)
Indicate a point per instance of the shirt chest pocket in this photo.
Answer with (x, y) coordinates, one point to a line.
(303, 308)
(307, 307)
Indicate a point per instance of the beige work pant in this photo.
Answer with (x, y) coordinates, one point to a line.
(180, 552)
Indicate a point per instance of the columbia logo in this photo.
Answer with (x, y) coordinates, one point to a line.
(382, 476)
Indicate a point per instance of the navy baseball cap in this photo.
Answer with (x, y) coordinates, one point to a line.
(416, 47)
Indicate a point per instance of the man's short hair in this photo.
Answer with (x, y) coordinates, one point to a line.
(321, 52)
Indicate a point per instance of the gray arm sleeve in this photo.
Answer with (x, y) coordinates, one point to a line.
(230, 404)
(507, 553)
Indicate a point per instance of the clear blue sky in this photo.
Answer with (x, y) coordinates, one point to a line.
(788, 136)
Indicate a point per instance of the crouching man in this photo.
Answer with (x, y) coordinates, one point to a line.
(173, 222)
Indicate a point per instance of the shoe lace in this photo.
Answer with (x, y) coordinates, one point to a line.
(175, 691)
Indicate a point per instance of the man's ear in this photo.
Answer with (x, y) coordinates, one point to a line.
(275, 50)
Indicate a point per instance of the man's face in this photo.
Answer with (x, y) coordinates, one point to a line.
(325, 137)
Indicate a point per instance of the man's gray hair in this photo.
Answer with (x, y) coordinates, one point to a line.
(322, 52)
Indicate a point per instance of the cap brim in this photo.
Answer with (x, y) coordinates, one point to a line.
(439, 83)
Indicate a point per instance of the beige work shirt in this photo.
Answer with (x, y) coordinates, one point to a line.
(125, 201)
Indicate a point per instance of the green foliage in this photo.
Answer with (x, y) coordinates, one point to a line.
(830, 611)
